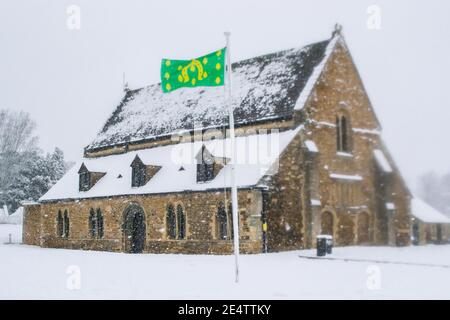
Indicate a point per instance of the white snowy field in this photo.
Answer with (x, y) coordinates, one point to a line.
(33, 272)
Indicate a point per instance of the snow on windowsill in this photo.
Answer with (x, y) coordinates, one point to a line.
(346, 177)
(390, 206)
(311, 146)
(344, 154)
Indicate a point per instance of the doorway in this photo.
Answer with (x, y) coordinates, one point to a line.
(415, 234)
(363, 228)
(134, 229)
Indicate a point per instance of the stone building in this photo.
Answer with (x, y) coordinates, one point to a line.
(310, 161)
(428, 224)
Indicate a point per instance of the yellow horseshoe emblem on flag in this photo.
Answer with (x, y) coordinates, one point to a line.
(192, 66)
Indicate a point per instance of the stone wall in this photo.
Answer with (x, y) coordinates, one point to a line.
(429, 233)
(352, 204)
(31, 231)
(285, 217)
(200, 210)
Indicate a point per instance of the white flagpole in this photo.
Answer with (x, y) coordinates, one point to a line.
(234, 198)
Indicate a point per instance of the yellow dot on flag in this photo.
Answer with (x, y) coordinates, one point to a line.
(179, 68)
(218, 80)
(193, 81)
(167, 63)
(192, 68)
(180, 78)
(205, 74)
(218, 66)
(167, 76)
(219, 53)
(168, 87)
(205, 60)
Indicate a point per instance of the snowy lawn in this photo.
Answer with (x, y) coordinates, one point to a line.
(33, 272)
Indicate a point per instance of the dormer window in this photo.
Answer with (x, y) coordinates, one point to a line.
(141, 173)
(85, 184)
(208, 166)
(87, 179)
(137, 172)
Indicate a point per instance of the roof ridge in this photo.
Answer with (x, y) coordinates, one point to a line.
(233, 64)
(266, 88)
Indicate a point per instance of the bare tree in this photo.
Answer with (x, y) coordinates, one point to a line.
(435, 190)
(16, 132)
(16, 136)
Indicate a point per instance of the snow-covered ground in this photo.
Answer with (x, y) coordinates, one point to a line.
(32, 272)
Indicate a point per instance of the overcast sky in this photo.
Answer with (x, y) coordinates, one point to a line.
(71, 80)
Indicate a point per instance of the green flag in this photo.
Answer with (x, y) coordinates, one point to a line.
(208, 70)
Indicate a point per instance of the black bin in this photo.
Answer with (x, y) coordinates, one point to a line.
(329, 244)
(321, 246)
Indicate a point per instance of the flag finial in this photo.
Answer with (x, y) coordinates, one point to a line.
(337, 29)
(125, 83)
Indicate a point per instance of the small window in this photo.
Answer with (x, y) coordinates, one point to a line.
(66, 224)
(59, 224)
(96, 223)
(181, 222)
(92, 223)
(222, 222)
(138, 173)
(230, 221)
(100, 229)
(205, 165)
(342, 134)
(85, 181)
(138, 176)
(205, 172)
(171, 222)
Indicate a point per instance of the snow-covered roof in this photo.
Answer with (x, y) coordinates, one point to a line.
(382, 161)
(304, 95)
(256, 154)
(426, 213)
(265, 88)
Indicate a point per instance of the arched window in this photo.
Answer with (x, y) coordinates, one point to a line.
(363, 229)
(171, 222)
(327, 224)
(416, 233)
(99, 223)
(59, 224)
(181, 222)
(342, 134)
(92, 223)
(66, 224)
(222, 222)
(230, 222)
(96, 223)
